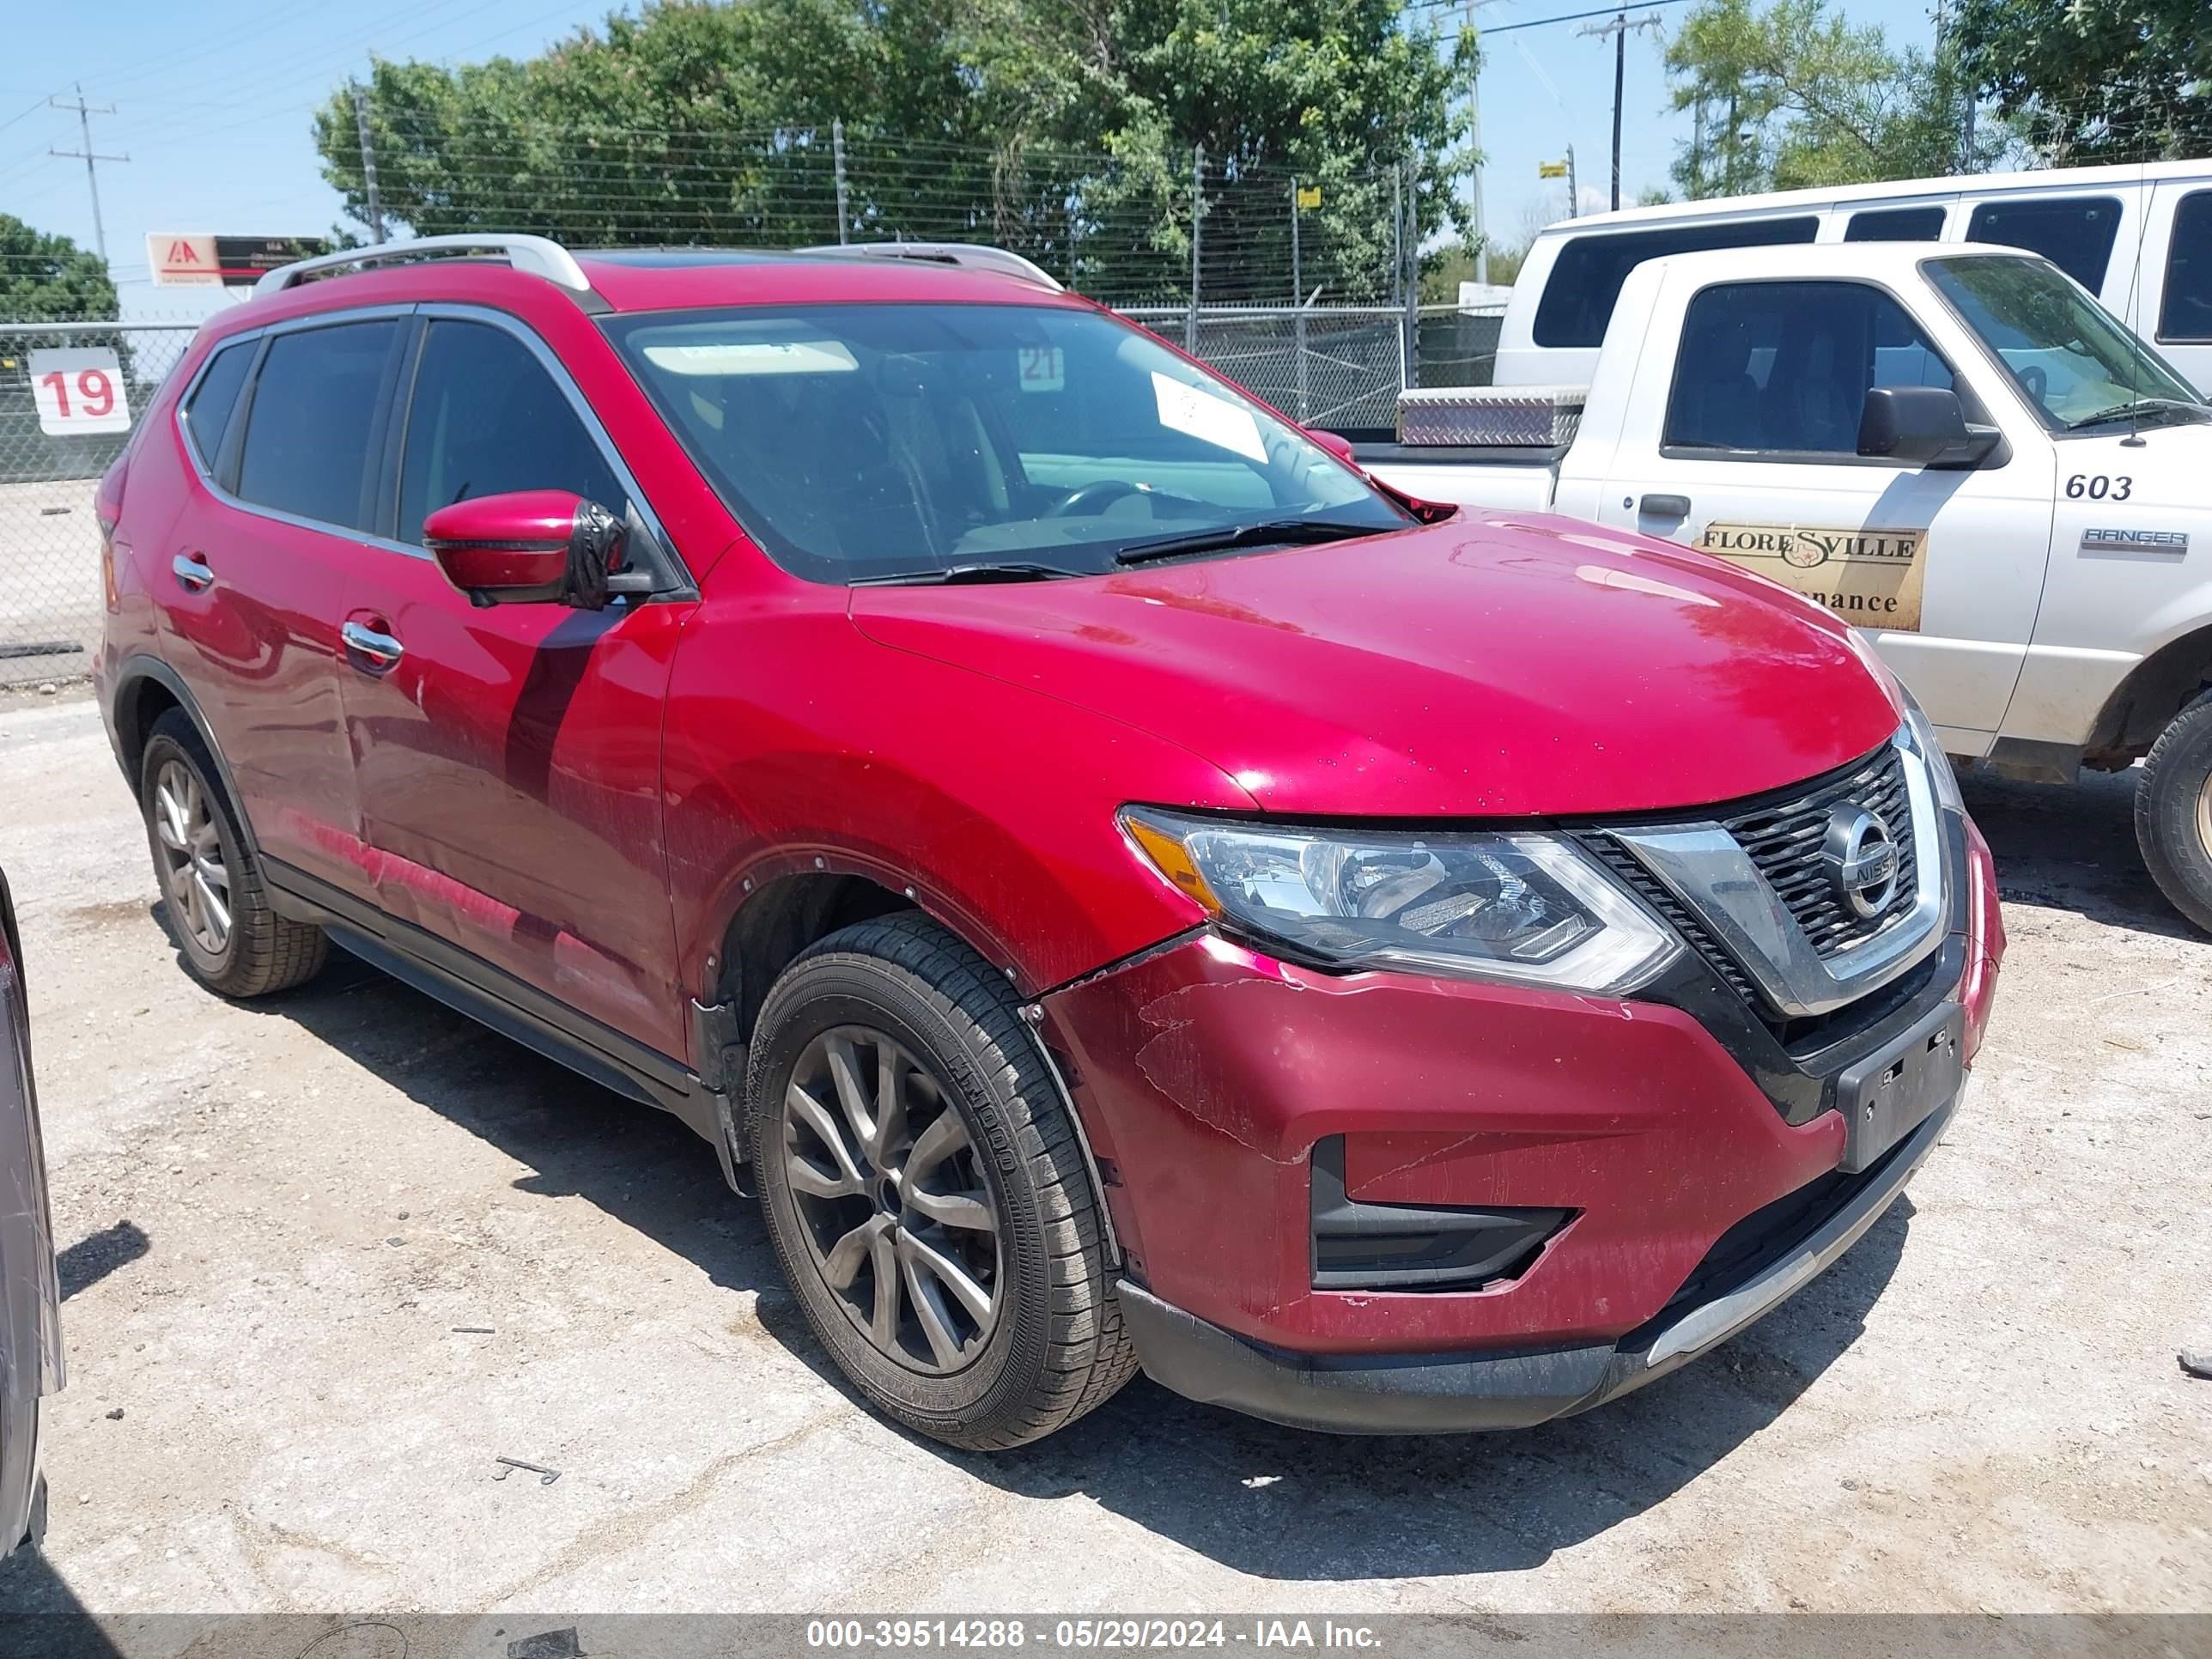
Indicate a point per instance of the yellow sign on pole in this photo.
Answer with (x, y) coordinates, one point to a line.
(1551, 169)
(1309, 196)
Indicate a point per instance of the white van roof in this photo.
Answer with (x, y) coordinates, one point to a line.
(1897, 191)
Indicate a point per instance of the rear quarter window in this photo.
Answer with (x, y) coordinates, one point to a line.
(1907, 224)
(2184, 314)
(1586, 277)
(207, 409)
(2075, 232)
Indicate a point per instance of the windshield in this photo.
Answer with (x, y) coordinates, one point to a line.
(2076, 362)
(870, 440)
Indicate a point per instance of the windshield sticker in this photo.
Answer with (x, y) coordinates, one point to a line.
(1039, 368)
(721, 357)
(1209, 419)
(1870, 578)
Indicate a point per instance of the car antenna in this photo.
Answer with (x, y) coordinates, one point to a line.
(2135, 438)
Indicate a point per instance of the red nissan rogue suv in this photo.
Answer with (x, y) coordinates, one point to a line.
(1128, 891)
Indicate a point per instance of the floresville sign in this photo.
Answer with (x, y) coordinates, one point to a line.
(1870, 578)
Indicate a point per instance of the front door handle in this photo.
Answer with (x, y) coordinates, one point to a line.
(375, 652)
(1665, 507)
(191, 572)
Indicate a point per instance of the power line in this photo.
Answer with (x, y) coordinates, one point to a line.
(1535, 23)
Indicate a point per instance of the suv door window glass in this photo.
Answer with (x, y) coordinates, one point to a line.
(2075, 232)
(486, 419)
(2186, 313)
(207, 412)
(1903, 224)
(1586, 277)
(1787, 366)
(308, 427)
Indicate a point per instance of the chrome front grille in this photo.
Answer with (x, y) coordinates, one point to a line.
(1768, 895)
(1785, 840)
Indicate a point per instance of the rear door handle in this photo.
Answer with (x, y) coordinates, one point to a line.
(1665, 507)
(374, 652)
(191, 572)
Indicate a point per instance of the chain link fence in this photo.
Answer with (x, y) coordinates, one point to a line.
(1339, 366)
(50, 580)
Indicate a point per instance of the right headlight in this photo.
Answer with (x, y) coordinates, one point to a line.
(1523, 906)
(1929, 748)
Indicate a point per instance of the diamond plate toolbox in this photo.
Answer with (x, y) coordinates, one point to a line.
(1543, 416)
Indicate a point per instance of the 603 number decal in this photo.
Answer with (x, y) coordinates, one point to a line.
(2098, 486)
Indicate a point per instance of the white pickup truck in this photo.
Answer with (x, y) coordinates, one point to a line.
(1953, 447)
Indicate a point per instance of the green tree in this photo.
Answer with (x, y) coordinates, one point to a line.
(50, 278)
(1794, 96)
(1063, 128)
(2117, 80)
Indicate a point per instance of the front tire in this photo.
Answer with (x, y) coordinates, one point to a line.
(2173, 811)
(232, 942)
(926, 1191)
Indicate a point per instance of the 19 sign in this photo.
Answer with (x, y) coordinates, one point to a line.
(79, 389)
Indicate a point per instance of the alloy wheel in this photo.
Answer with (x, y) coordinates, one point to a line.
(197, 880)
(897, 1216)
(2204, 816)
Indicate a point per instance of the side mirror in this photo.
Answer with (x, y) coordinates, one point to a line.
(527, 547)
(1336, 444)
(1922, 426)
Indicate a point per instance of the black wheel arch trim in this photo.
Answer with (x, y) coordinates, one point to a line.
(142, 667)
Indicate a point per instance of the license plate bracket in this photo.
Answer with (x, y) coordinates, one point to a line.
(1887, 1096)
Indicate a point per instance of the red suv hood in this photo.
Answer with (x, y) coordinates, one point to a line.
(1484, 667)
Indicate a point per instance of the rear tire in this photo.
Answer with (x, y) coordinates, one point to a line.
(2173, 813)
(232, 942)
(926, 1191)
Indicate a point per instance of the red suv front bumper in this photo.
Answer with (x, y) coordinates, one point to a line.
(1205, 1073)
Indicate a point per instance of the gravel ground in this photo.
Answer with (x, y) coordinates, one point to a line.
(275, 1216)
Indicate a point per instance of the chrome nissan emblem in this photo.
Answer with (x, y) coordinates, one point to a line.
(1861, 859)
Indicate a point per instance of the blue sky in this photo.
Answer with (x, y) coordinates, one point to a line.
(212, 102)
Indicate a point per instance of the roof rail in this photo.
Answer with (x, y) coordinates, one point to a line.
(535, 254)
(974, 256)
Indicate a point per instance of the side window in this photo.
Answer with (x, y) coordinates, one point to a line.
(1907, 224)
(1586, 277)
(308, 422)
(2075, 232)
(486, 419)
(1786, 366)
(2186, 313)
(207, 412)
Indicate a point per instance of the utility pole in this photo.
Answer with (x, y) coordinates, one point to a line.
(1474, 142)
(1297, 297)
(1574, 189)
(1197, 214)
(88, 155)
(1618, 26)
(837, 153)
(367, 165)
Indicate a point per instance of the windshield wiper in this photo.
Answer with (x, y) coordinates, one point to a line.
(1246, 535)
(2138, 409)
(948, 576)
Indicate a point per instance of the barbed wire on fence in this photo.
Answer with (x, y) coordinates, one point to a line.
(1118, 228)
